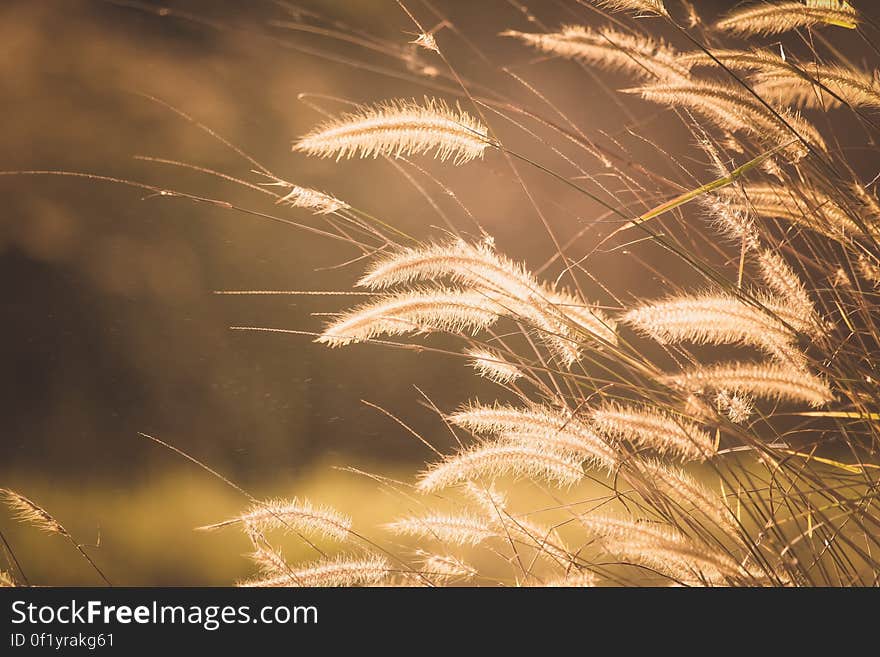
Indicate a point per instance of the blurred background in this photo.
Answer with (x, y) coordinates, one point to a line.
(111, 324)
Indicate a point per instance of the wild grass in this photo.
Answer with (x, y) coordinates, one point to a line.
(774, 18)
(31, 513)
(731, 426)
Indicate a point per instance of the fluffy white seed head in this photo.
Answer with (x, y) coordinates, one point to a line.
(423, 311)
(799, 204)
(341, 571)
(30, 512)
(641, 7)
(791, 301)
(712, 319)
(490, 461)
(491, 365)
(776, 381)
(270, 561)
(776, 18)
(459, 529)
(561, 321)
(689, 494)
(609, 49)
(734, 110)
(654, 429)
(312, 199)
(540, 427)
(796, 89)
(399, 128)
(665, 550)
(292, 515)
(737, 407)
(732, 220)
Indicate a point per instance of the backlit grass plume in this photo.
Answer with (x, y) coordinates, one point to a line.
(540, 427)
(778, 17)
(768, 380)
(31, 513)
(495, 460)
(492, 366)
(561, 321)
(312, 199)
(667, 551)
(291, 515)
(712, 319)
(453, 529)
(817, 86)
(792, 302)
(805, 206)
(428, 310)
(654, 429)
(399, 128)
(733, 109)
(609, 49)
(329, 573)
(798, 83)
(639, 6)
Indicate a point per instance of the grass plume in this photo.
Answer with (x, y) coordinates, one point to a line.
(399, 128)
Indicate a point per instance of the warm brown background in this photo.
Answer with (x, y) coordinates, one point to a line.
(110, 324)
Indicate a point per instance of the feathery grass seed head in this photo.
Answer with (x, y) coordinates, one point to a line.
(655, 7)
(341, 571)
(732, 109)
(664, 549)
(312, 199)
(776, 18)
(399, 128)
(460, 529)
(31, 513)
(560, 320)
(689, 494)
(770, 380)
(609, 49)
(292, 515)
(654, 429)
(732, 220)
(711, 319)
(539, 427)
(500, 460)
(737, 407)
(492, 366)
(426, 310)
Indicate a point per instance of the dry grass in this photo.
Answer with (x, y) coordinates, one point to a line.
(597, 399)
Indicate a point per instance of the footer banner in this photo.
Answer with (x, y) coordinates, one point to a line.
(165, 620)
